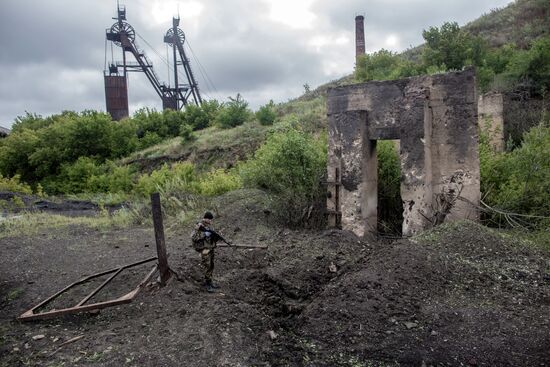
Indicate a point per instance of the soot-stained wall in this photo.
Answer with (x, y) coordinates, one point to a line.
(435, 118)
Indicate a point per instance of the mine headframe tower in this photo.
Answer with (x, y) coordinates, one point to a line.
(176, 38)
(123, 35)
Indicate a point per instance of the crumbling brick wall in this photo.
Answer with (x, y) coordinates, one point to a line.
(435, 119)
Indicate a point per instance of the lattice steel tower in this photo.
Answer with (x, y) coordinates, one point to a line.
(123, 35)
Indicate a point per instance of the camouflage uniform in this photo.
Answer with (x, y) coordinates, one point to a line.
(204, 244)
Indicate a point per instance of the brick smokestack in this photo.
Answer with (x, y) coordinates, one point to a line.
(359, 36)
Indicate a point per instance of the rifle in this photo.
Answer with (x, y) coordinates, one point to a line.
(218, 237)
(214, 236)
(262, 247)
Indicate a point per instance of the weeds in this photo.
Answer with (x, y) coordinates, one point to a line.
(14, 294)
(29, 224)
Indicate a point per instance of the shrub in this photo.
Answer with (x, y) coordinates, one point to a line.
(233, 113)
(289, 164)
(149, 139)
(518, 181)
(383, 65)
(266, 114)
(114, 180)
(186, 133)
(218, 182)
(200, 117)
(179, 177)
(14, 184)
(73, 177)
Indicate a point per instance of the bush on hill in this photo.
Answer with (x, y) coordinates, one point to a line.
(290, 164)
(233, 113)
(266, 114)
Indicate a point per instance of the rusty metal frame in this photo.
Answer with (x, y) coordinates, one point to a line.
(82, 306)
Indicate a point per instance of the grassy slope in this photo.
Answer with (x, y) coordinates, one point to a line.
(519, 22)
(223, 148)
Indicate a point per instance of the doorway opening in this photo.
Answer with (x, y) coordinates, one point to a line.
(390, 203)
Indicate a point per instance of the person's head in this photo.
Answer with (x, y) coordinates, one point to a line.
(208, 217)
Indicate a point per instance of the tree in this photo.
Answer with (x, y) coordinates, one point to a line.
(233, 113)
(383, 65)
(266, 114)
(452, 47)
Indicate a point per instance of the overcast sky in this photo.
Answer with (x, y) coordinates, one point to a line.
(52, 53)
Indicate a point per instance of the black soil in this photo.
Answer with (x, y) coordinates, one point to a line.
(460, 295)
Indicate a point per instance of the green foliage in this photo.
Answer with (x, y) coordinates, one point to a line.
(453, 47)
(289, 164)
(266, 114)
(203, 116)
(182, 177)
(14, 184)
(179, 177)
(390, 205)
(383, 65)
(39, 147)
(164, 124)
(149, 139)
(15, 151)
(186, 133)
(87, 176)
(218, 182)
(518, 181)
(233, 113)
(113, 179)
(532, 67)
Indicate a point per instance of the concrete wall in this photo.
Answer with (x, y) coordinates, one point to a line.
(491, 117)
(508, 116)
(435, 118)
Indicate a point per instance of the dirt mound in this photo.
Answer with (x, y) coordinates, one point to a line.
(458, 295)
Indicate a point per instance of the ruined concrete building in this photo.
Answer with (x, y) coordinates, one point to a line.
(435, 119)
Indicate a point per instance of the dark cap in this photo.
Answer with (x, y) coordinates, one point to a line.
(208, 215)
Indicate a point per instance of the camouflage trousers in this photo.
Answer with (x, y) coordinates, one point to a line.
(207, 264)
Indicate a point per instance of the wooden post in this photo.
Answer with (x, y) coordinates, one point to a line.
(159, 237)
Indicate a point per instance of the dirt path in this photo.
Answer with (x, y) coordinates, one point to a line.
(464, 296)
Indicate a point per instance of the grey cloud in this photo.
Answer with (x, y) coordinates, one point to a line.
(53, 51)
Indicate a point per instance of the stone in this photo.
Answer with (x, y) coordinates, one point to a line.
(409, 325)
(38, 337)
(272, 335)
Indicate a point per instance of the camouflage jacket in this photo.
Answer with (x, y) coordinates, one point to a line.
(200, 237)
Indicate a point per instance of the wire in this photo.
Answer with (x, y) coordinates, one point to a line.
(151, 47)
(207, 79)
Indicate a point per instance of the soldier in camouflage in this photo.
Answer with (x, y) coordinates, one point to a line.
(204, 243)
